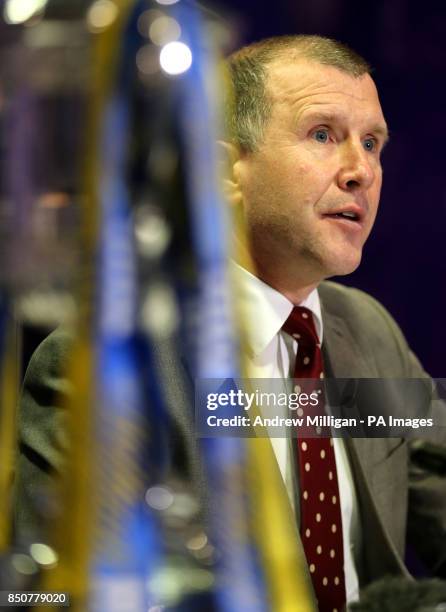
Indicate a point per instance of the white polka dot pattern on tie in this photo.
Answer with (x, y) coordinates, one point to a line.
(321, 524)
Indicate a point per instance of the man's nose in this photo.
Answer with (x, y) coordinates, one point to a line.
(356, 169)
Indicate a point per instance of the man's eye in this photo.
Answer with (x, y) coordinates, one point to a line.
(321, 135)
(369, 144)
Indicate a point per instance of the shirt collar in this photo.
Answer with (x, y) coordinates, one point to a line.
(266, 310)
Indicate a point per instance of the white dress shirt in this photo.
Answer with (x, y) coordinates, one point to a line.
(272, 355)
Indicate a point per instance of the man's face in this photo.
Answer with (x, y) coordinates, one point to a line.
(310, 193)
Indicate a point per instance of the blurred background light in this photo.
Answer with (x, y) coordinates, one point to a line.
(197, 542)
(164, 30)
(147, 60)
(159, 498)
(146, 19)
(151, 231)
(101, 15)
(19, 11)
(159, 311)
(175, 58)
(23, 564)
(167, 1)
(43, 554)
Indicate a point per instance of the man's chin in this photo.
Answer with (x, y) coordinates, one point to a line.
(344, 266)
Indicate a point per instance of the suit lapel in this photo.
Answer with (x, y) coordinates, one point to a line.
(344, 358)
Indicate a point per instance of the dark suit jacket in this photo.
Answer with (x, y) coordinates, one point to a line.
(397, 502)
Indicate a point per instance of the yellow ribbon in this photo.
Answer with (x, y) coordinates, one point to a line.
(9, 382)
(75, 532)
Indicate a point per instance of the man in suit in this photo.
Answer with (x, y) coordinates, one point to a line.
(307, 136)
(307, 132)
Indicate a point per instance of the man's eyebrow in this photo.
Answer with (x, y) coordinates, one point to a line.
(383, 131)
(323, 116)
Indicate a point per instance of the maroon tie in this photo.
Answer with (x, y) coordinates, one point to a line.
(321, 524)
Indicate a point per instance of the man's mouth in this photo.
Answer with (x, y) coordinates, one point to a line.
(351, 214)
(346, 215)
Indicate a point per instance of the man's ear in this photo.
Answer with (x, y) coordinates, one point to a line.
(229, 172)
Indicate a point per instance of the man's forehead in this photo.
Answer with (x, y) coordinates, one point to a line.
(298, 80)
(285, 75)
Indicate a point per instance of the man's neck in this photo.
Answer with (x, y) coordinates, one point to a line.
(295, 294)
(294, 288)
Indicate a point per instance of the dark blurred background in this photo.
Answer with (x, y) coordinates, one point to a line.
(404, 263)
